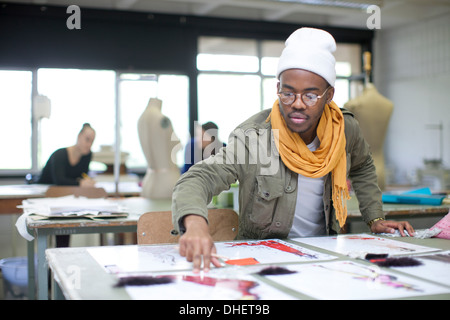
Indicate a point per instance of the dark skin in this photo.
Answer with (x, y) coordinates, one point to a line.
(298, 117)
(304, 120)
(196, 243)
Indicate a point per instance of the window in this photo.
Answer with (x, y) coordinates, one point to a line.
(227, 100)
(77, 96)
(135, 92)
(229, 86)
(15, 119)
(270, 51)
(237, 78)
(348, 72)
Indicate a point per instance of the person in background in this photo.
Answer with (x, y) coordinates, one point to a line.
(69, 166)
(292, 162)
(202, 146)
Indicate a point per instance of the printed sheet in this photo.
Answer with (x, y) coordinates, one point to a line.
(434, 267)
(120, 259)
(218, 284)
(348, 280)
(358, 245)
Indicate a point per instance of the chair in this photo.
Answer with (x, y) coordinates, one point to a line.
(156, 227)
(88, 192)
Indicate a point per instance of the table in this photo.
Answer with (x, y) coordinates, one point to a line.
(138, 205)
(77, 274)
(395, 211)
(42, 229)
(12, 196)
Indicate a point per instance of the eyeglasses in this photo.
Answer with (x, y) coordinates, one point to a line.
(309, 99)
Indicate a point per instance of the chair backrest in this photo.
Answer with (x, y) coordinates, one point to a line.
(88, 192)
(156, 227)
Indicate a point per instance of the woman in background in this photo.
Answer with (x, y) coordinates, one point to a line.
(69, 166)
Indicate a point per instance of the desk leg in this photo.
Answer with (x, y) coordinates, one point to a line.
(42, 275)
(31, 269)
(56, 291)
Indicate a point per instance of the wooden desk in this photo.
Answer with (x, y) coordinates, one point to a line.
(79, 275)
(393, 210)
(398, 212)
(42, 229)
(12, 195)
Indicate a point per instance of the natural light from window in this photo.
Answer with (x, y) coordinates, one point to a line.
(15, 119)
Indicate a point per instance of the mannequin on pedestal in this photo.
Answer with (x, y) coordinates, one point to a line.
(373, 112)
(158, 142)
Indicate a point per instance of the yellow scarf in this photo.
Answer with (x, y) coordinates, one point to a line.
(330, 156)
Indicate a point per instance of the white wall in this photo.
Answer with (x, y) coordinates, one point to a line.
(412, 69)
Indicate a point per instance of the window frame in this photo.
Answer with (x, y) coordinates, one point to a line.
(35, 169)
(354, 78)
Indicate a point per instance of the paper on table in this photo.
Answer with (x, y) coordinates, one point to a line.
(63, 206)
(440, 230)
(358, 245)
(68, 205)
(347, 280)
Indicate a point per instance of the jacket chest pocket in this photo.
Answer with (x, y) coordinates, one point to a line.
(268, 187)
(267, 192)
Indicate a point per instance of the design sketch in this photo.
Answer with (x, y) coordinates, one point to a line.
(211, 286)
(360, 244)
(435, 267)
(118, 259)
(275, 245)
(270, 251)
(370, 274)
(353, 281)
(153, 258)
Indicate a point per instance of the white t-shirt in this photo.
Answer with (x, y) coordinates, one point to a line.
(309, 219)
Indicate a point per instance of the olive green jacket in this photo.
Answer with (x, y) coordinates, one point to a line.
(267, 188)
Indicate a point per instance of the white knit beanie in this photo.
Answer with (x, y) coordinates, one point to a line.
(310, 49)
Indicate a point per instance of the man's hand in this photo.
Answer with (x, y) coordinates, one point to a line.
(389, 226)
(196, 243)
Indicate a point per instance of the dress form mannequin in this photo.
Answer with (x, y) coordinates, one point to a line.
(373, 112)
(156, 137)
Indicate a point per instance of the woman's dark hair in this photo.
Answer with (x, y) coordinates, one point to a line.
(85, 126)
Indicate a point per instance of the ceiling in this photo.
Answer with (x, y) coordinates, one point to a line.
(341, 13)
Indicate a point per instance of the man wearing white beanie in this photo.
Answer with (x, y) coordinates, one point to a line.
(305, 193)
(310, 49)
